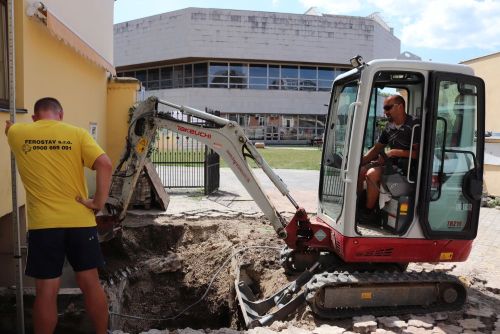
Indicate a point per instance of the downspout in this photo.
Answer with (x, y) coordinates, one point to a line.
(15, 209)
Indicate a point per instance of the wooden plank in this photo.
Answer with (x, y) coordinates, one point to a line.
(158, 188)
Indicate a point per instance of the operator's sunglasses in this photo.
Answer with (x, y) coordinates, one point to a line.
(389, 106)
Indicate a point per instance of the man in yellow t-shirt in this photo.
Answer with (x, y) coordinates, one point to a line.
(51, 156)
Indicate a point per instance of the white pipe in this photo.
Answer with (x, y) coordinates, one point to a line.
(15, 209)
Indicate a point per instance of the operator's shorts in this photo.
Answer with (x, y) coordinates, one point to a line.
(47, 249)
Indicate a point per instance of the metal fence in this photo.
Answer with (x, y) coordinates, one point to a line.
(183, 162)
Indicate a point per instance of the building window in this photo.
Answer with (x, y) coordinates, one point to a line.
(218, 75)
(200, 74)
(237, 75)
(4, 66)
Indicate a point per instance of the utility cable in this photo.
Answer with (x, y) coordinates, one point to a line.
(238, 251)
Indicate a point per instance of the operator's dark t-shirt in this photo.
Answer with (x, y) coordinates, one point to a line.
(400, 138)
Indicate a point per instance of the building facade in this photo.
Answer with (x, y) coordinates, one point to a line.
(270, 72)
(60, 53)
(488, 68)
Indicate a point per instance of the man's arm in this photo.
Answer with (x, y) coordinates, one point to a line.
(373, 153)
(399, 153)
(8, 124)
(103, 168)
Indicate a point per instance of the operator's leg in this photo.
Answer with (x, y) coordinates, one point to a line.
(95, 299)
(361, 178)
(45, 306)
(84, 255)
(372, 186)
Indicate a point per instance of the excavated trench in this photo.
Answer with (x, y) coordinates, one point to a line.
(155, 272)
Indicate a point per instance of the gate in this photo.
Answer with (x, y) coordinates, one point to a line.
(183, 162)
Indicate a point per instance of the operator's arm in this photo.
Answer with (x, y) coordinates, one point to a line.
(103, 168)
(373, 153)
(399, 153)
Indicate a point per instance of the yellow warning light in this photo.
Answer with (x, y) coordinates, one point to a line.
(403, 208)
(446, 256)
(366, 295)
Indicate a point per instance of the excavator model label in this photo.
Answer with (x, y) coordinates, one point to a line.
(194, 132)
(366, 295)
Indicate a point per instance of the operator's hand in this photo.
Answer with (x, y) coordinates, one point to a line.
(8, 124)
(90, 204)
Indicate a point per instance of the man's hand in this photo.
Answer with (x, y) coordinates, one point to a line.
(8, 124)
(89, 203)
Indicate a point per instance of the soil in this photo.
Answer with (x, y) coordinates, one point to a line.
(159, 266)
(157, 270)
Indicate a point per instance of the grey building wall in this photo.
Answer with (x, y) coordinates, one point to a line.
(266, 36)
(248, 101)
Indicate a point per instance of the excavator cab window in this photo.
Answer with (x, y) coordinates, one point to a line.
(395, 204)
(452, 174)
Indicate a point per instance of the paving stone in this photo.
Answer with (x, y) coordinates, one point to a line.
(278, 326)
(177, 215)
(426, 322)
(295, 330)
(327, 329)
(392, 323)
(437, 330)
(155, 331)
(261, 330)
(471, 332)
(189, 331)
(193, 218)
(440, 316)
(364, 324)
(483, 312)
(448, 329)
(415, 330)
(224, 331)
(473, 323)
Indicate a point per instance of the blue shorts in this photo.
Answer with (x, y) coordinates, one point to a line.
(47, 249)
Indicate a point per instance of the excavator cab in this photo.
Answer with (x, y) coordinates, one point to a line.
(428, 206)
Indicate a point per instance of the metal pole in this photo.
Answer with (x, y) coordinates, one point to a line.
(15, 209)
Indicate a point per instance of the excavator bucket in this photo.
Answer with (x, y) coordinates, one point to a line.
(107, 226)
(276, 307)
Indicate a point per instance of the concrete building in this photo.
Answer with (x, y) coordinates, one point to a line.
(488, 68)
(270, 72)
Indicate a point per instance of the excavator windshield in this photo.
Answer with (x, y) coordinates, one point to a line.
(335, 153)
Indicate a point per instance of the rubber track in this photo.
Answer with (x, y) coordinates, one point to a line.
(321, 281)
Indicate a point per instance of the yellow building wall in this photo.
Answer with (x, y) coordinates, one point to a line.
(491, 177)
(45, 66)
(122, 94)
(488, 68)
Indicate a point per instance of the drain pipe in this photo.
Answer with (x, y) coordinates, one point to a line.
(15, 208)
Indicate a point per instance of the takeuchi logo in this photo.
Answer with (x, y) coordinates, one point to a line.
(198, 133)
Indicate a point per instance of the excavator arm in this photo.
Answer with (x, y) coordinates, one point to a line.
(225, 137)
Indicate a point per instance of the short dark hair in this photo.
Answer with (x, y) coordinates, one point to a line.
(47, 103)
(398, 99)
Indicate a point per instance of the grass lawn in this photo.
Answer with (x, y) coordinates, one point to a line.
(289, 158)
(276, 157)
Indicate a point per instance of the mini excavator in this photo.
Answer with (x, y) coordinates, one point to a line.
(428, 215)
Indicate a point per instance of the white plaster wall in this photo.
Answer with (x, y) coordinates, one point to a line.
(91, 20)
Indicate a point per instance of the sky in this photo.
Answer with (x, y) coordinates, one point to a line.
(448, 31)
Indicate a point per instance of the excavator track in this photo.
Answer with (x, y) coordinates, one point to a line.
(348, 294)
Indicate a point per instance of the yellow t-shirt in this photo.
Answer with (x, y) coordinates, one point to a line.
(50, 156)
